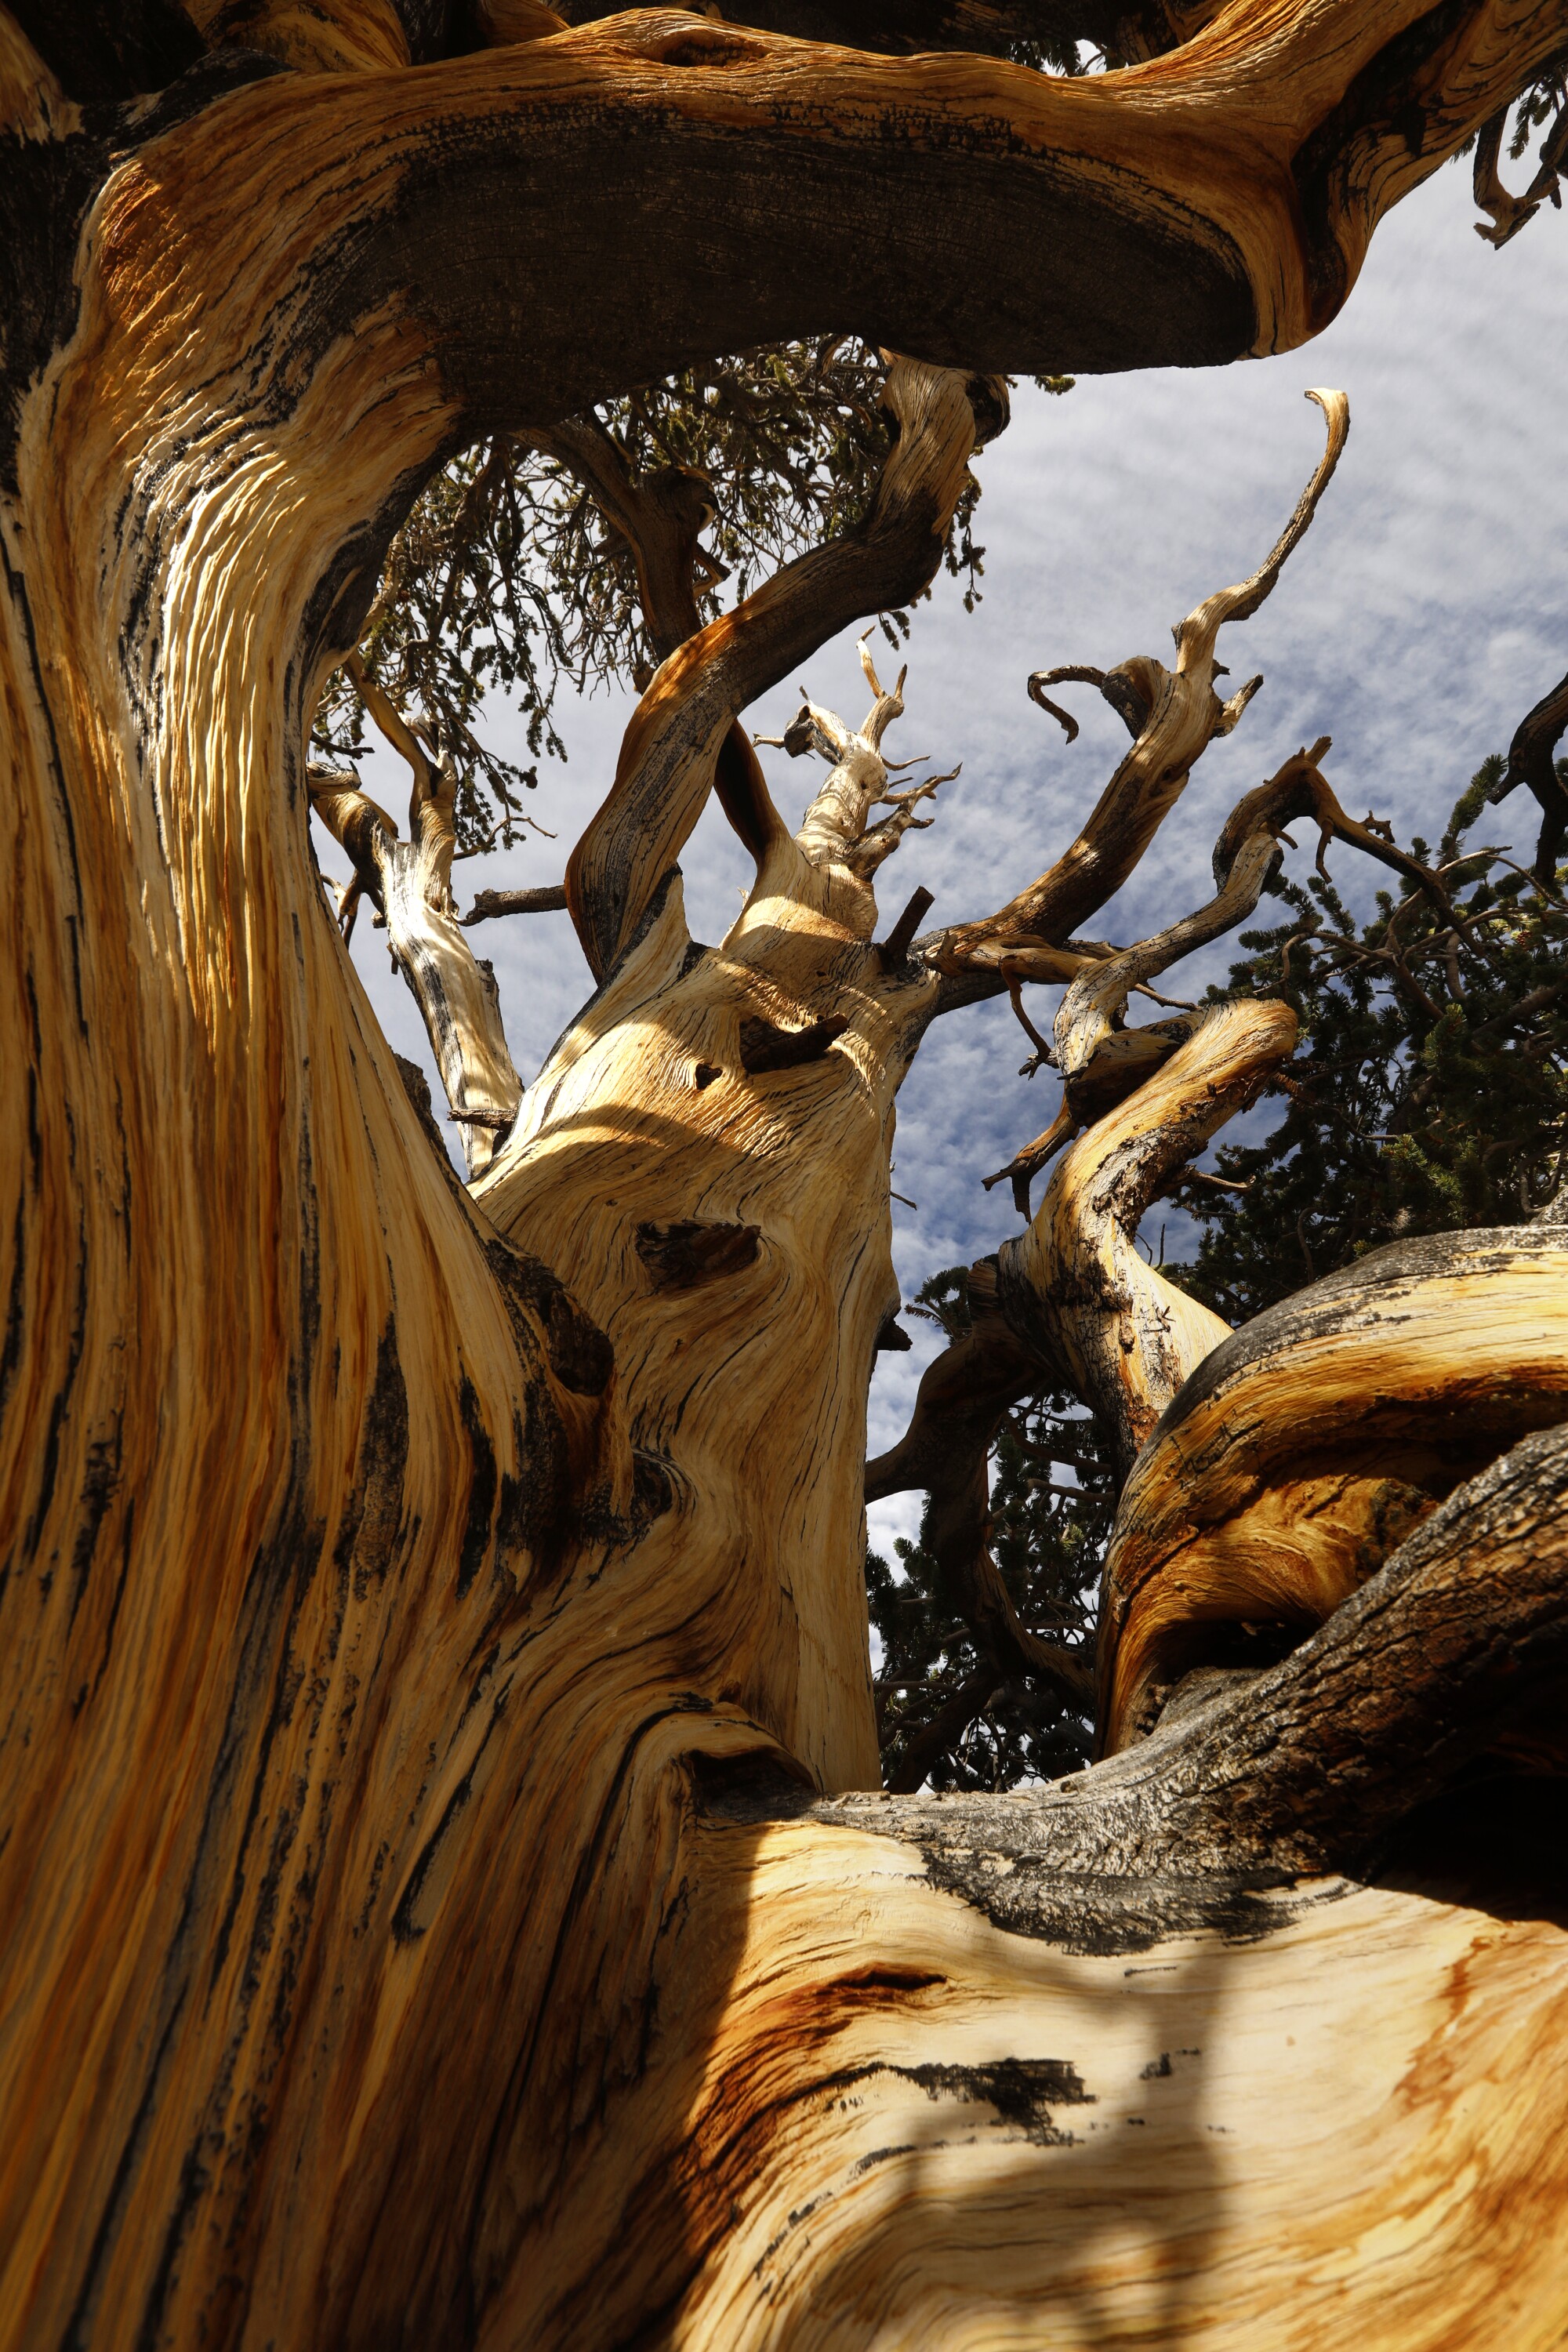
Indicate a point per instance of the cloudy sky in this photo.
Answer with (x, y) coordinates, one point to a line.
(1425, 612)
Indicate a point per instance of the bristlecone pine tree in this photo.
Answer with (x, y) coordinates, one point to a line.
(445, 1893)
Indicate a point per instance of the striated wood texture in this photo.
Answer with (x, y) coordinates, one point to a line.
(434, 1626)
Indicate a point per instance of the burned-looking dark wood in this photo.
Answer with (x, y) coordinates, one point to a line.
(679, 1256)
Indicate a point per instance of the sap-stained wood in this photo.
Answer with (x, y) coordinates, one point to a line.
(390, 1567)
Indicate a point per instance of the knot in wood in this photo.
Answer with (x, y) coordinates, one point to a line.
(681, 1255)
(764, 1046)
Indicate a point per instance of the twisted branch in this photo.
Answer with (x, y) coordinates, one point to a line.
(1505, 214)
(945, 1450)
(1173, 716)
(1530, 762)
(410, 883)
(1312, 1439)
(669, 754)
(1455, 1646)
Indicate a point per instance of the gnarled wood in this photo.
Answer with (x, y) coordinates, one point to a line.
(1172, 716)
(1530, 762)
(1077, 1275)
(386, 1568)
(1274, 1487)
(668, 760)
(411, 886)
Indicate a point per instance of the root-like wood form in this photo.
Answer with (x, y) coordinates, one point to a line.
(401, 1582)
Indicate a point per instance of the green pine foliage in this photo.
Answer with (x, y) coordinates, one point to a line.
(1051, 1502)
(1430, 1089)
(506, 579)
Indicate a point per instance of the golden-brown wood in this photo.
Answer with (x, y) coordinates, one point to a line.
(1130, 1337)
(310, 35)
(401, 1580)
(1317, 1438)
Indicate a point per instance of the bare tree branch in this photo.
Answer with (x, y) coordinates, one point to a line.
(1173, 716)
(963, 1397)
(1530, 762)
(485, 904)
(668, 756)
(1507, 214)
(411, 883)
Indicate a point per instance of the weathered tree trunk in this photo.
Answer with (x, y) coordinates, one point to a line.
(430, 1618)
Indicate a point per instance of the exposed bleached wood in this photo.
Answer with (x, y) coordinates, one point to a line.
(1097, 2064)
(1151, 1100)
(987, 27)
(1451, 1649)
(1130, 1337)
(911, 2120)
(661, 519)
(410, 883)
(1172, 716)
(1075, 1287)
(748, 1086)
(1508, 213)
(1214, 200)
(668, 760)
(33, 105)
(498, 22)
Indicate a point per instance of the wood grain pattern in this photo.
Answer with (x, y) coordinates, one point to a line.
(397, 1576)
(1314, 1439)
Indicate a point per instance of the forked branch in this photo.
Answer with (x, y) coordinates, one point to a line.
(410, 883)
(946, 1449)
(1506, 214)
(836, 828)
(1173, 715)
(670, 750)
